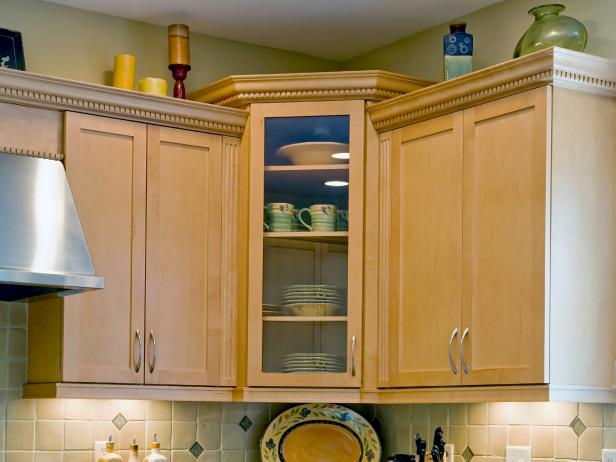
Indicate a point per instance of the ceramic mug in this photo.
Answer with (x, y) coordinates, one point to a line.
(279, 216)
(342, 220)
(322, 217)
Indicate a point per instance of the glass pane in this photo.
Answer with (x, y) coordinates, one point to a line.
(305, 277)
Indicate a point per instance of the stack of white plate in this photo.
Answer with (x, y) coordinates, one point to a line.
(312, 362)
(313, 299)
(271, 310)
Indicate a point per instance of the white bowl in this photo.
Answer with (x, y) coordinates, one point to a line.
(313, 152)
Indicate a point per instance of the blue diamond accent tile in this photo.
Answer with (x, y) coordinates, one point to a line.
(196, 449)
(245, 423)
(578, 426)
(119, 421)
(468, 454)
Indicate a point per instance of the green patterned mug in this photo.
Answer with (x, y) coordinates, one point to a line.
(279, 216)
(322, 217)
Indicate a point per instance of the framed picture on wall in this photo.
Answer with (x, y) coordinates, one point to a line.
(11, 50)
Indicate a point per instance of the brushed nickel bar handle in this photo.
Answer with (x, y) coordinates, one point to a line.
(138, 362)
(451, 362)
(353, 356)
(153, 362)
(464, 365)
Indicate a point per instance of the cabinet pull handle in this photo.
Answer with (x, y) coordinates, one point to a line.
(451, 363)
(464, 365)
(153, 362)
(138, 362)
(353, 356)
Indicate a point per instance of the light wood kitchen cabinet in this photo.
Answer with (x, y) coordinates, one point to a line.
(506, 216)
(105, 164)
(183, 270)
(425, 252)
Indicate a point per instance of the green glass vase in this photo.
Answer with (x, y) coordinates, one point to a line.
(550, 29)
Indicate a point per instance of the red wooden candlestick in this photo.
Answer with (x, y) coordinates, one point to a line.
(179, 72)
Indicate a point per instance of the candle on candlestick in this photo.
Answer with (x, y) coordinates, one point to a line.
(179, 57)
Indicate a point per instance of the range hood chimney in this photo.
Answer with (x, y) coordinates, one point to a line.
(43, 250)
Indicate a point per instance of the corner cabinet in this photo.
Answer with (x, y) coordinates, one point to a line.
(494, 238)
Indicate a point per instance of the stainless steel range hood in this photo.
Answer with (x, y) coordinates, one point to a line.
(43, 250)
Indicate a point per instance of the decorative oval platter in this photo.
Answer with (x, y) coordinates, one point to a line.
(320, 433)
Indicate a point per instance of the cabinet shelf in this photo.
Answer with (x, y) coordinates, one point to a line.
(336, 237)
(305, 168)
(304, 318)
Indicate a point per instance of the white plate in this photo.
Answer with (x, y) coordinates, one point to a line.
(313, 152)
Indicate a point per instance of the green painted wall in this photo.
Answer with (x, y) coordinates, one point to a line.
(497, 30)
(76, 44)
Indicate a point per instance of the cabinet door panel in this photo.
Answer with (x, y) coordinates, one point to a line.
(184, 217)
(425, 252)
(105, 165)
(505, 210)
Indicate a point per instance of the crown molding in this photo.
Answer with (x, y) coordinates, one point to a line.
(552, 66)
(239, 91)
(31, 89)
(32, 153)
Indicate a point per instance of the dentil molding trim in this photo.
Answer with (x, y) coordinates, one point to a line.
(55, 93)
(241, 90)
(552, 66)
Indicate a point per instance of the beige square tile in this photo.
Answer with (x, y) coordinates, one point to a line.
(478, 440)
(439, 415)
(458, 414)
(401, 442)
(184, 434)
(49, 435)
(50, 409)
(78, 435)
(162, 429)
(591, 414)
(541, 414)
(16, 373)
(80, 409)
(478, 414)
(609, 438)
(508, 413)
(609, 417)
(208, 435)
(396, 415)
(17, 343)
(458, 436)
(18, 315)
(232, 436)
(519, 435)
(132, 409)
(48, 456)
(2, 435)
(185, 410)
(542, 442)
(20, 435)
(182, 456)
(21, 409)
(158, 410)
(210, 412)
(214, 456)
(4, 333)
(77, 456)
(258, 412)
(233, 412)
(565, 443)
(253, 456)
(420, 415)
(232, 456)
(590, 444)
(253, 436)
(101, 429)
(497, 440)
(564, 413)
(19, 456)
(104, 409)
(134, 428)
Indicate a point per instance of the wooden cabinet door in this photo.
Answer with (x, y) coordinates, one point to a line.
(506, 219)
(106, 166)
(421, 242)
(183, 279)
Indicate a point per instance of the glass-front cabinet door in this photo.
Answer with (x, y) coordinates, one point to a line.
(305, 256)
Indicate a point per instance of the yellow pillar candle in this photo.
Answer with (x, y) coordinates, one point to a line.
(153, 86)
(124, 72)
(179, 49)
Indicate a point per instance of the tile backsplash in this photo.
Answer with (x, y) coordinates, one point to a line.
(63, 430)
